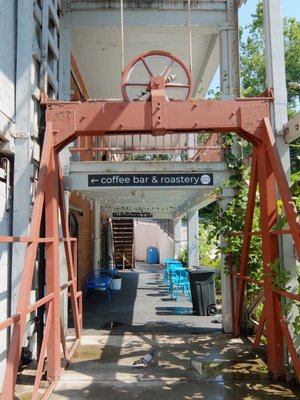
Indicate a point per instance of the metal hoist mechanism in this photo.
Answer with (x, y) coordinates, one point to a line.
(156, 87)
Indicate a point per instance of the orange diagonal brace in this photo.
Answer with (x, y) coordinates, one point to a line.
(283, 187)
(260, 329)
(43, 352)
(68, 251)
(289, 341)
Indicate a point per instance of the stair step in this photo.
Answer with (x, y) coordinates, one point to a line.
(123, 241)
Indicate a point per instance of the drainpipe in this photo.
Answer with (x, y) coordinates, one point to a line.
(6, 164)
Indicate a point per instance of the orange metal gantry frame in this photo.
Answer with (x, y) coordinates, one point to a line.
(66, 121)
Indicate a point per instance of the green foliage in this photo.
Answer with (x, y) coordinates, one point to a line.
(147, 157)
(207, 249)
(223, 222)
(296, 322)
(295, 188)
(279, 277)
(232, 219)
(208, 254)
(183, 256)
(291, 28)
(252, 57)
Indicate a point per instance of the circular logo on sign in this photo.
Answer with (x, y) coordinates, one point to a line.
(205, 179)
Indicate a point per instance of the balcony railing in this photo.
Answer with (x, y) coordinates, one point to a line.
(206, 147)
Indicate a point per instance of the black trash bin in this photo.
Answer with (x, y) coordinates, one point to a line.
(203, 290)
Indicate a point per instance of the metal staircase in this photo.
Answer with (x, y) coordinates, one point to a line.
(123, 239)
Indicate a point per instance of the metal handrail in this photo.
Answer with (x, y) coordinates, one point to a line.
(206, 149)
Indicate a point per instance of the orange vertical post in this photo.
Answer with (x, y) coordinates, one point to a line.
(52, 268)
(270, 253)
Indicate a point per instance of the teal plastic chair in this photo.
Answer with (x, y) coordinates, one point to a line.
(172, 265)
(179, 280)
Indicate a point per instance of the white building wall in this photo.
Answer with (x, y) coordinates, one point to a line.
(7, 128)
(7, 58)
(4, 254)
(25, 30)
(148, 234)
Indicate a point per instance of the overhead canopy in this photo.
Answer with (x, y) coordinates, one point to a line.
(148, 25)
(181, 186)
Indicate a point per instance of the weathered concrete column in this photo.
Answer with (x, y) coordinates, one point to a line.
(177, 236)
(229, 54)
(230, 88)
(192, 237)
(225, 278)
(109, 239)
(23, 167)
(97, 235)
(65, 69)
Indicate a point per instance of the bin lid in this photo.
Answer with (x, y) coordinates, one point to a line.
(201, 269)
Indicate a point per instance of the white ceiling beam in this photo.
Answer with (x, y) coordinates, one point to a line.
(149, 18)
(198, 5)
(275, 65)
(292, 129)
(207, 69)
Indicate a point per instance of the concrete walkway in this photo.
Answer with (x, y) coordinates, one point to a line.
(143, 305)
(193, 358)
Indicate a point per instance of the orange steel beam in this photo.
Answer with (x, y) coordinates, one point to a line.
(71, 120)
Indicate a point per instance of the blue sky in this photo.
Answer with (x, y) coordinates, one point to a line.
(289, 8)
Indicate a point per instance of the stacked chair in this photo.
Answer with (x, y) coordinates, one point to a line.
(177, 278)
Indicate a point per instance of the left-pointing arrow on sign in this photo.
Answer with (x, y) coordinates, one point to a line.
(93, 180)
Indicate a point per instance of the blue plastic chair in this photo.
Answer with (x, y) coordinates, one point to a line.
(109, 271)
(99, 282)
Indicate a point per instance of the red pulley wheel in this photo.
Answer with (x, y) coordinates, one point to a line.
(137, 76)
